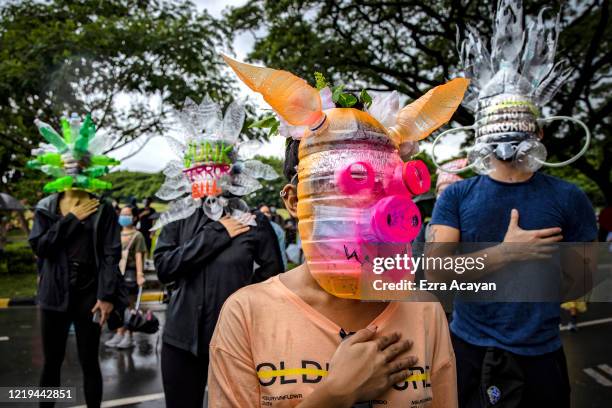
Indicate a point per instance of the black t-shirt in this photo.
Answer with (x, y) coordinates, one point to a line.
(81, 256)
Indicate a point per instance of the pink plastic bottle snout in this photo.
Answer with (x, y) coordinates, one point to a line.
(396, 219)
(349, 184)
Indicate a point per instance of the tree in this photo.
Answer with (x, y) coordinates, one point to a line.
(128, 62)
(128, 184)
(409, 46)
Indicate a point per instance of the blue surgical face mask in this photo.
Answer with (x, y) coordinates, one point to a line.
(125, 220)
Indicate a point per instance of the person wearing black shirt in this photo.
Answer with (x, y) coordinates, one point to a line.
(208, 260)
(76, 240)
(146, 217)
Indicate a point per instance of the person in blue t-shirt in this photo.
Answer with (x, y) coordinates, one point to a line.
(509, 354)
(512, 205)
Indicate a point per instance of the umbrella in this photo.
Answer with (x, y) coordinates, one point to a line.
(140, 321)
(10, 203)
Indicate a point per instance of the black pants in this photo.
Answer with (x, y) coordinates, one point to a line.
(546, 382)
(55, 327)
(184, 376)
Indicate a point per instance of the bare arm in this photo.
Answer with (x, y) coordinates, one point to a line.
(536, 244)
(442, 241)
(140, 279)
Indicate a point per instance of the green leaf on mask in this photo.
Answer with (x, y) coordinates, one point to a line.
(346, 100)
(274, 129)
(320, 80)
(365, 98)
(265, 123)
(336, 92)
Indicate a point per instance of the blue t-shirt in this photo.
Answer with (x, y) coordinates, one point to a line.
(479, 208)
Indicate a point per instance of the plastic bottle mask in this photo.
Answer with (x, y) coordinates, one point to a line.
(214, 167)
(354, 191)
(73, 158)
(354, 200)
(511, 84)
(508, 129)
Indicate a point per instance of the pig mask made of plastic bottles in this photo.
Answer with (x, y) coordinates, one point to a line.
(354, 190)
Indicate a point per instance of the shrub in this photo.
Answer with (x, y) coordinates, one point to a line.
(17, 258)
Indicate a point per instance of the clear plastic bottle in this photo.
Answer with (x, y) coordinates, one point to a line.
(353, 199)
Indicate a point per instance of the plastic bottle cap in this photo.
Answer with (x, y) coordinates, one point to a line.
(396, 219)
(349, 184)
(416, 177)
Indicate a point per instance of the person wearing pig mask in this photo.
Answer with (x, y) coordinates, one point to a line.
(351, 193)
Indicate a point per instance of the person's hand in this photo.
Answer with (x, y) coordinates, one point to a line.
(364, 367)
(105, 309)
(83, 209)
(537, 244)
(233, 226)
(140, 279)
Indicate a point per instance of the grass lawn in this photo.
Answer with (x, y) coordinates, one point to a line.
(17, 285)
(18, 258)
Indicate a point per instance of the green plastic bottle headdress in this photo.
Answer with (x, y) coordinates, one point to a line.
(74, 159)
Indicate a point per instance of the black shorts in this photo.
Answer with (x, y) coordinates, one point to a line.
(132, 287)
(513, 380)
(129, 278)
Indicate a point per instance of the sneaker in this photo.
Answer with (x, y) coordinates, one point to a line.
(116, 339)
(126, 342)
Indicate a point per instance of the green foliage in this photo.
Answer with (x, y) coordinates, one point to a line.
(365, 98)
(28, 187)
(17, 258)
(348, 100)
(409, 47)
(320, 81)
(128, 184)
(269, 193)
(269, 122)
(581, 180)
(111, 58)
(23, 285)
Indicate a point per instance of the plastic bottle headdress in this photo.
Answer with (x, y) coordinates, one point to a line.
(214, 167)
(354, 191)
(75, 158)
(509, 86)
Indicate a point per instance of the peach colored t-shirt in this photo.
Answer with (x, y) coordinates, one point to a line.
(271, 349)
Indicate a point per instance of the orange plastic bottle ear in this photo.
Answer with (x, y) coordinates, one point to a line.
(290, 96)
(417, 120)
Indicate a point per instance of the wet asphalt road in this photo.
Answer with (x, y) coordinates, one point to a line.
(126, 373)
(136, 372)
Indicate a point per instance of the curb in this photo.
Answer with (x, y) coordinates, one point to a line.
(152, 297)
(9, 302)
